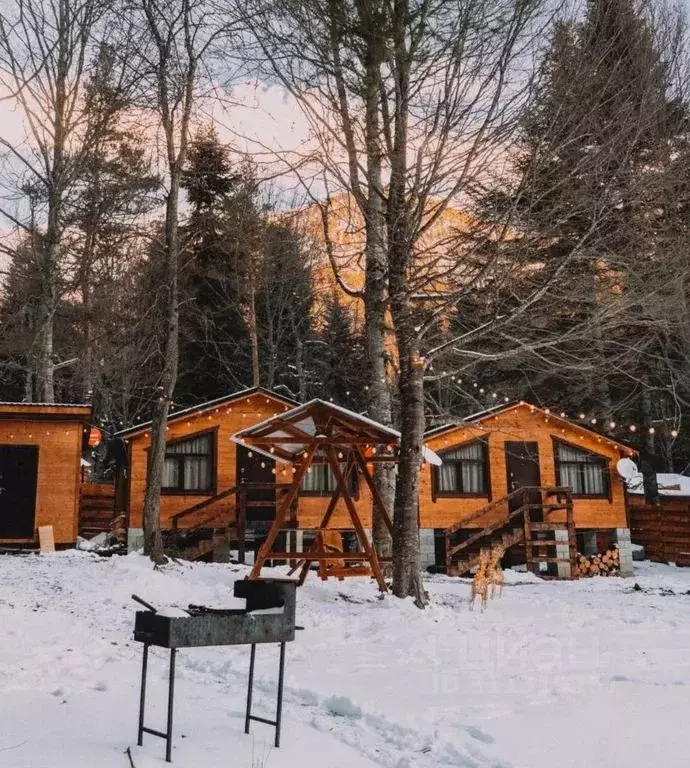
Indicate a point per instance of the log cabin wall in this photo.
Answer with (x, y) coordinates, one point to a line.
(56, 435)
(522, 423)
(223, 420)
(663, 530)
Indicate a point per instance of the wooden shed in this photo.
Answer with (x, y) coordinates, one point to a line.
(662, 528)
(40, 468)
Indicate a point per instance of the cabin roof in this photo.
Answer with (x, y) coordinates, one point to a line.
(313, 419)
(137, 428)
(480, 416)
(52, 411)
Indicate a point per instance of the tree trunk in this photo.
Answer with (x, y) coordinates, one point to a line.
(153, 541)
(379, 399)
(253, 332)
(407, 576)
(49, 253)
(375, 293)
(647, 413)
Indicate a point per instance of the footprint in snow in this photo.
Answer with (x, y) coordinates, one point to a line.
(478, 734)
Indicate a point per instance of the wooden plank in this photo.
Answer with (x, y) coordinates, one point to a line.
(46, 539)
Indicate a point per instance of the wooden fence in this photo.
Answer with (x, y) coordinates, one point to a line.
(663, 530)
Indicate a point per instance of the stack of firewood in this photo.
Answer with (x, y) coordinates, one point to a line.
(606, 563)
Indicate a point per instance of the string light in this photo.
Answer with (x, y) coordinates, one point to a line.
(652, 430)
(633, 428)
(674, 433)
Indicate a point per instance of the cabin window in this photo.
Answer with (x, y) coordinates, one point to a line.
(583, 471)
(464, 471)
(320, 481)
(188, 466)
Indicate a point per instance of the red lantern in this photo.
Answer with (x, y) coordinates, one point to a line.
(95, 437)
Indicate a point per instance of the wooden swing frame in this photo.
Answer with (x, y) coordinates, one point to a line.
(340, 436)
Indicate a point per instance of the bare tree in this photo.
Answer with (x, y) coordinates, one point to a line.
(329, 55)
(174, 45)
(45, 51)
(411, 103)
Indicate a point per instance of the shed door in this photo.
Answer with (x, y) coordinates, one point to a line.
(522, 466)
(18, 474)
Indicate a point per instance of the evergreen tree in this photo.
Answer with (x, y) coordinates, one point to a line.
(598, 159)
(215, 355)
(340, 358)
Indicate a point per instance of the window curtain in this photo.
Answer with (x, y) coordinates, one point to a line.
(582, 471)
(317, 478)
(463, 469)
(188, 465)
(171, 473)
(320, 479)
(447, 478)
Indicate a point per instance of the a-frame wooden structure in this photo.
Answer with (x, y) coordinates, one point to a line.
(322, 432)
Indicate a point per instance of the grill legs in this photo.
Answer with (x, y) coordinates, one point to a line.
(250, 687)
(171, 693)
(167, 735)
(142, 704)
(142, 696)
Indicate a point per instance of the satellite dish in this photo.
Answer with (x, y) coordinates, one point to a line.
(627, 469)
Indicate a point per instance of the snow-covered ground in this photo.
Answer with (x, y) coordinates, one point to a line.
(552, 674)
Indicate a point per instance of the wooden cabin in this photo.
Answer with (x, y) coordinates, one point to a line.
(212, 484)
(40, 469)
(493, 454)
(203, 467)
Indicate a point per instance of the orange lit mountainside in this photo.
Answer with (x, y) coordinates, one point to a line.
(338, 225)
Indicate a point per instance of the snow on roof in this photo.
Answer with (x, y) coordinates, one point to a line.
(670, 484)
(208, 404)
(308, 426)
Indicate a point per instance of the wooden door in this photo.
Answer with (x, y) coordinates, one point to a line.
(522, 467)
(261, 502)
(18, 476)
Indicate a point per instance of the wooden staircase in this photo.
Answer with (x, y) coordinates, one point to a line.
(98, 513)
(529, 523)
(221, 527)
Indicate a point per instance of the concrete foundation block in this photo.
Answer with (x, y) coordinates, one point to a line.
(563, 550)
(135, 539)
(625, 551)
(427, 548)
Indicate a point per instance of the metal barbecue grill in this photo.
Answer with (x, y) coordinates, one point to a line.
(269, 617)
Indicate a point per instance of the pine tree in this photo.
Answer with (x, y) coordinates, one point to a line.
(595, 168)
